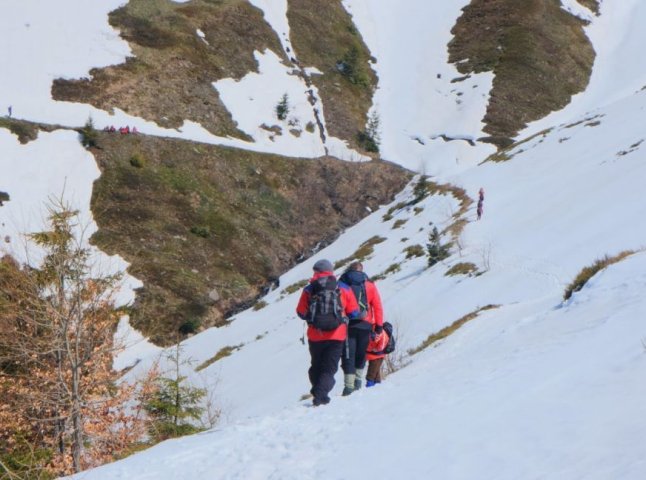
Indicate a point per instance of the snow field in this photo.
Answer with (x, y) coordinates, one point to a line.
(54, 166)
(533, 390)
(79, 38)
(416, 100)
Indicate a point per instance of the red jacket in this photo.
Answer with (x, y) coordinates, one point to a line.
(350, 308)
(376, 346)
(375, 313)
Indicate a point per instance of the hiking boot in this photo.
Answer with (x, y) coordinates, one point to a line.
(358, 379)
(347, 391)
(370, 383)
(320, 401)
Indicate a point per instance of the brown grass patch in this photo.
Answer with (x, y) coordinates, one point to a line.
(169, 78)
(462, 268)
(539, 53)
(362, 253)
(592, 5)
(590, 271)
(322, 34)
(25, 131)
(446, 331)
(197, 217)
(294, 287)
(393, 268)
(222, 353)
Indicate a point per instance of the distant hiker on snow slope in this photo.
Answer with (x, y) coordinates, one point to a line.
(353, 360)
(326, 305)
(480, 203)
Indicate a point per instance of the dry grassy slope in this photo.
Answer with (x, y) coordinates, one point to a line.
(539, 53)
(322, 33)
(191, 217)
(169, 78)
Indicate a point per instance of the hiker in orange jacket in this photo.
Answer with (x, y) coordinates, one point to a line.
(375, 355)
(326, 331)
(353, 360)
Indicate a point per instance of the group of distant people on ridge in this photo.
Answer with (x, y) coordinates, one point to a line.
(344, 323)
(122, 130)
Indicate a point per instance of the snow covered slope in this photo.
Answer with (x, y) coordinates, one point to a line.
(532, 390)
(535, 388)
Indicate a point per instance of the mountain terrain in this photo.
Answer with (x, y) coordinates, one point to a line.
(519, 355)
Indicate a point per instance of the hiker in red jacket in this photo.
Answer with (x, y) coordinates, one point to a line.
(375, 356)
(353, 361)
(480, 203)
(326, 305)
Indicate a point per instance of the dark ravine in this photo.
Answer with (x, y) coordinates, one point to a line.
(539, 53)
(193, 218)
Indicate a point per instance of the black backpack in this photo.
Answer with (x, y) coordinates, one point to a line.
(390, 347)
(325, 307)
(357, 282)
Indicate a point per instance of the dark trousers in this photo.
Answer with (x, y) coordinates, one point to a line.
(374, 370)
(325, 362)
(355, 358)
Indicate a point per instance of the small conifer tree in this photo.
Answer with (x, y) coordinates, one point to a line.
(282, 109)
(437, 251)
(370, 138)
(89, 137)
(175, 404)
(420, 191)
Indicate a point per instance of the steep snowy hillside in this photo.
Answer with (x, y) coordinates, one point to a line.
(136, 70)
(551, 209)
(531, 390)
(521, 383)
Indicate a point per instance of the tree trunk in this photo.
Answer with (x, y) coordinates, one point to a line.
(77, 422)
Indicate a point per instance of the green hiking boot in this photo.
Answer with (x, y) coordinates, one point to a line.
(347, 391)
(358, 379)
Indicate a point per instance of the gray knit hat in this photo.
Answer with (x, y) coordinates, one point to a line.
(323, 266)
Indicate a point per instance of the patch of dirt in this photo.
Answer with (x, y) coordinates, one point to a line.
(170, 77)
(592, 5)
(323, 34)
(538, 52)
(191, 218)
(25, 131)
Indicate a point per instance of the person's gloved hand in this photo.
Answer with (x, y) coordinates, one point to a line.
(379, 329)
